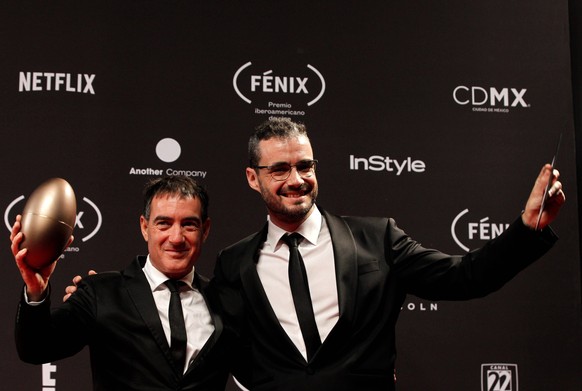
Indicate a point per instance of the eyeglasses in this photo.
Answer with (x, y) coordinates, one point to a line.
(282, 171)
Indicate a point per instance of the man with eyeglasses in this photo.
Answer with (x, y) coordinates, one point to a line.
(317, 296)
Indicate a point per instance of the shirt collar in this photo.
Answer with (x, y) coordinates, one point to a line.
(309, 229)
(157, 279)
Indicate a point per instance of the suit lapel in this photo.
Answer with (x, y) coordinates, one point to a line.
(139, 290)
(345, 255)
(201, 283)
(256, 295)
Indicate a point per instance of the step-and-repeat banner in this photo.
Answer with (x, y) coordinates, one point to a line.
(439, 114)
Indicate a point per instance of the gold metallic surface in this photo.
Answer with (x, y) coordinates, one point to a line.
(47, 221)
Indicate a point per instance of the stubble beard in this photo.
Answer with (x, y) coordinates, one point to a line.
(293, 214)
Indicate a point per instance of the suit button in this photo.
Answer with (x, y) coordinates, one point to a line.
(310, 371)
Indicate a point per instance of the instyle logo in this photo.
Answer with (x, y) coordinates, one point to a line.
(87, 223)
(465, 230)
(56, 81)
(167, 150)
(491, 99)
(387, 164)
(499, 377)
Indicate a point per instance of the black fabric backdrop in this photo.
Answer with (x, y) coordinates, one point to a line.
(439, 114)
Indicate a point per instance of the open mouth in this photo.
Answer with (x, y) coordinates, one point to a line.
(295, 193)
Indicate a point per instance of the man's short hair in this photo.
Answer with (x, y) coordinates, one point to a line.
(277, 127)
(182, 186)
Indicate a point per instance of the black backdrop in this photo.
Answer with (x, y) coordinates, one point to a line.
(452, 107)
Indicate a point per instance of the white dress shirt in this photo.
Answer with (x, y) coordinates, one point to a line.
(199, 326)
(317, 253)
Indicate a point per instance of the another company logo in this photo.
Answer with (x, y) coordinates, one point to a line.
(387, 164)
(483, 229)
(56, 81)
(490, 99)
(88, 210)
(168, 150)
(499, 377)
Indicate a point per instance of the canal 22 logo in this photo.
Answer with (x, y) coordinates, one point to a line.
(499, 377)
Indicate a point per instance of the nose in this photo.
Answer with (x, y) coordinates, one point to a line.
(176, 235)
(294, 178)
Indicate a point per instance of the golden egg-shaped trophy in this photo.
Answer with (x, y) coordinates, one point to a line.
(47, 222)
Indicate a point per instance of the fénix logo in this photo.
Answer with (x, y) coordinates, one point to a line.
(55, 81)
(387, 164)
(499, 377)
(491, 97)
(465, 230)
(307, 83)
(87, 224)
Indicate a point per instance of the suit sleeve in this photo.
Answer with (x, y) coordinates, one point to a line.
(432, 275)
(44, 335)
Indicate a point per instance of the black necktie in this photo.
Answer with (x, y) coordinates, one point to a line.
(301, 296)
(177, 326)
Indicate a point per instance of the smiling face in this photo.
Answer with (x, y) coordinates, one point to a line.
(175, 233)
(291, 201)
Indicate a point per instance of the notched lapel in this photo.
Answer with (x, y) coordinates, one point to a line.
(200, 283)
(345, 255)
(257, 298)
(139, 290)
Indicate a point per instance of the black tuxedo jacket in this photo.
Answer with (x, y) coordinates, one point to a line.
(114, 313)
(377, 265)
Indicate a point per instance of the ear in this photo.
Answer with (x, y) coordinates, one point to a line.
(206, 229)
(143, 223)
(253, 179)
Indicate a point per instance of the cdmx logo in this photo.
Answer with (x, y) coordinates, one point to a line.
(499, 377)
(247, 82)
(483, 229)
(479, 96)
(89, 205)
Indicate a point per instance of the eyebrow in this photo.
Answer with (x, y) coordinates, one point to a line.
(189, 218)
(299, 161)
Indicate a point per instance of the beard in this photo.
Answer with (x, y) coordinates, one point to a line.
(290, 212)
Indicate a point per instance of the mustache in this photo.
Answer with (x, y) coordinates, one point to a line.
(305, 188)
